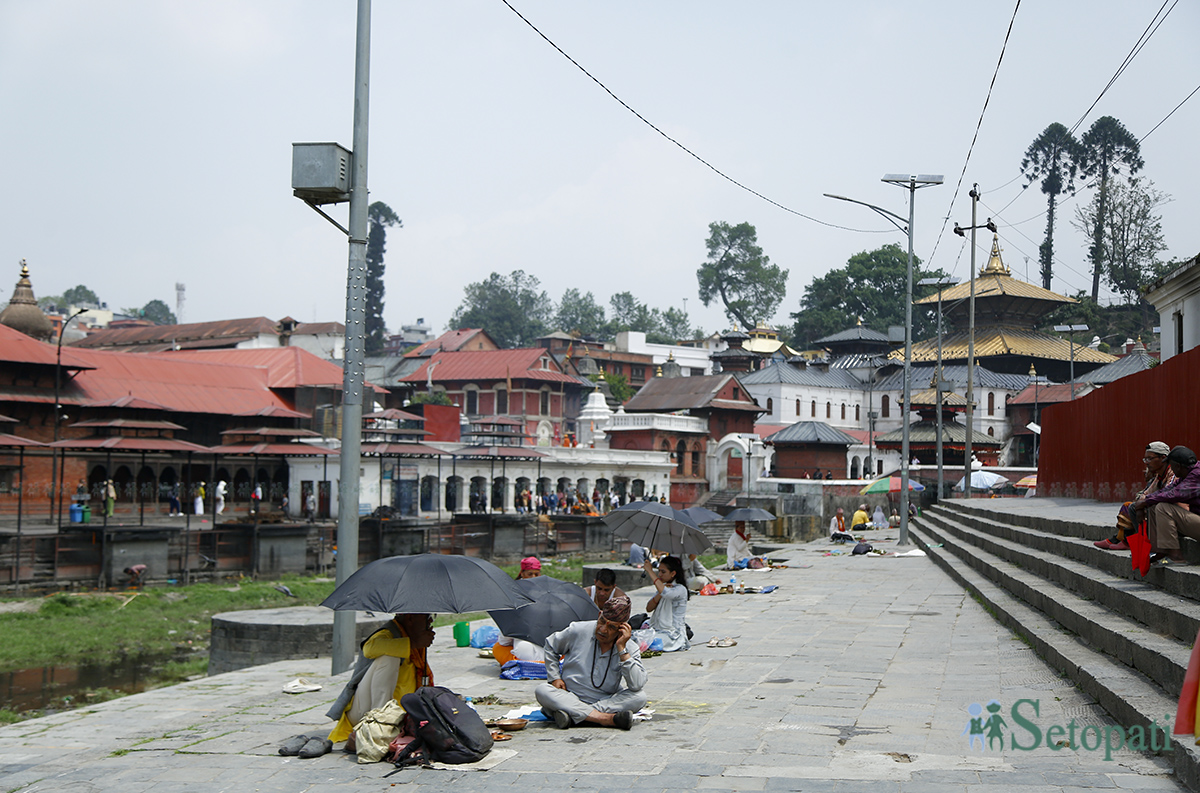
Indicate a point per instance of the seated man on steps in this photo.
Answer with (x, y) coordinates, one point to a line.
(1174, 510)
(1157, 476)
(597, 657)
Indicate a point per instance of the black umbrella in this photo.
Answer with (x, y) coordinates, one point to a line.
(556, 604)
(749, 513)
(702, 515)
(658, 526)
(425, 584)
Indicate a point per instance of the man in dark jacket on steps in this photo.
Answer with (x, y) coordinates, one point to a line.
(1174, 510)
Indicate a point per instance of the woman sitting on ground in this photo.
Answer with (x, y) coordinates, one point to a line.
(668, 608)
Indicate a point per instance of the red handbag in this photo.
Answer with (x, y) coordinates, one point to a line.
(1139, 549)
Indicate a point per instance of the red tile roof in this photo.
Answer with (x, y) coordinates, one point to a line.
(16, 347)
(481, 365)
(450, 341)
(1048, 394)
(287, 367)
(226, 329)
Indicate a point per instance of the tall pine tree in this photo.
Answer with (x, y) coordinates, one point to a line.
(380, 216)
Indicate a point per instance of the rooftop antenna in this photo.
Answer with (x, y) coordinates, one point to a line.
(179, 298)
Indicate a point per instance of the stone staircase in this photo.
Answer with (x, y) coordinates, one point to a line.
(1125, 641)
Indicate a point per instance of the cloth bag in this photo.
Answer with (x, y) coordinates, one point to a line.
(1139, 549)
(374, 734)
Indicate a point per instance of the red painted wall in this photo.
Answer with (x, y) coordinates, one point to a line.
(1092, 447)
(442, 421)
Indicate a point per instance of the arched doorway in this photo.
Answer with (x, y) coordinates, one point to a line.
(454, 486)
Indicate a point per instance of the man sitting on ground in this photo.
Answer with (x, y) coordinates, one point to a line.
(1174, 510)
(596, 659)
(604, 587)
(1157, 475)
(738, 547)
(837, 528)
(697, 574)
(862, 520)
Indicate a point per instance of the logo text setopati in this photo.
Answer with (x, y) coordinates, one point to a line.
(1026, 734)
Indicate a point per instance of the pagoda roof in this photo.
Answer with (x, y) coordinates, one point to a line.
(924, 433)
(999, 340)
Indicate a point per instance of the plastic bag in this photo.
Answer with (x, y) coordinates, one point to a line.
(643, 637)
(709, 589)
(656, 645)
(523, 670)
(485, 636)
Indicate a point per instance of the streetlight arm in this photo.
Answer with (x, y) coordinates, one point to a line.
(891, 217)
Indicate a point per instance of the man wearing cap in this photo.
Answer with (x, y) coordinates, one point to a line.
(1174, 510)
(531, 567)
(601, 676)
(1157, 475)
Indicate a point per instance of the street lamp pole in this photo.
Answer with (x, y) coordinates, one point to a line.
(1070, 331)
(54, 483)
(970, 417)
(939, 381)
(1033, 376)
(912, 184)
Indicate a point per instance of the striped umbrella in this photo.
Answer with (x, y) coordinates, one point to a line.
(890, 484)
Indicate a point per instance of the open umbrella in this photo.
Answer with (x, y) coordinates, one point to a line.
(1026, 481)
(982, 480)
(658, 526)
(425, 584)
(891, 484)
(702, 515)
(749, 513)
(556, 604)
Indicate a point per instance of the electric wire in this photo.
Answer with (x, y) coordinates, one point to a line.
(975, 137)
(1159, 124)
(688, 151)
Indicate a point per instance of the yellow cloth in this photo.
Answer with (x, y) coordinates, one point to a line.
(859, 517)
(382, 643)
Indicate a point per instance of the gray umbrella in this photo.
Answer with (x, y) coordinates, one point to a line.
(702, 515)
(427, 583)
(556, 604)
(749, 513)
(658, 526)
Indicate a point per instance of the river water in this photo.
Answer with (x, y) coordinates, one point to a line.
(41, 687)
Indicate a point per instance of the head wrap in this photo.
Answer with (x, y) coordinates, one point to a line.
(1182, 455)
(530, 563)
(1158, 447)
(616, 609)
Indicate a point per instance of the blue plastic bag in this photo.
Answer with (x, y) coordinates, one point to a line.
(741, 564)
(485, 636)
(656, 644)
(523, 670)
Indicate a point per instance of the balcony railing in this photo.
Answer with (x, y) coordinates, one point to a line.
(656, 421)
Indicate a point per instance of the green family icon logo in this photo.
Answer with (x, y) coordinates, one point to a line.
(987, 725)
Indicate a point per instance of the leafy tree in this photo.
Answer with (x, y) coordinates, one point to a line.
(629, 313)
(676, 327)
(872, 286)
(1133, 235)
(740, 275)
(1052, 157)
(78, 295)
(512, 309)
(580, 314)
(618, 385)
(427, 398)
(1104, 149)
(379, 217)
(157, 312)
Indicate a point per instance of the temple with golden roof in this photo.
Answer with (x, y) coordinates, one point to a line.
(1007, 312)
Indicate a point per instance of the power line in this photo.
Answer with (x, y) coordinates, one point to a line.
(975, 137)
(1133, 53)
(691, 153)
(1159, 124)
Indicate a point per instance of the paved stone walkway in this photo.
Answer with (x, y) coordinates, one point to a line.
(856, 674)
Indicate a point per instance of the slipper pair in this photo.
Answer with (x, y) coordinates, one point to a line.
(726, 642)
(305, 746)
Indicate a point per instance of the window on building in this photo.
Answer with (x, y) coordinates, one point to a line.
(991, 403)
(545, 406)
(770, 405)
(843, 411)
(615, 368)
(828, 410)
(502, 402)
(1177, 323)
(637, 372)
(680, 456)
(696, 464)
(737, 393)
(797, 408)
(814, 408)
(472, 403)
(885, 407)
(857, 413)
(992, 431)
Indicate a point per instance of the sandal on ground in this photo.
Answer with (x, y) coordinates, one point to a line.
(1167, 561)
(292, 746)
(714, 642)
(727, 642)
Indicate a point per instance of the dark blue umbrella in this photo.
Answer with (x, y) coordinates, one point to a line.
(749, 513)
(556, 604)
(702, 515)
(427, 583)
(659, 527)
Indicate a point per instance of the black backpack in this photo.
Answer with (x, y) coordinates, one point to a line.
(446, 729)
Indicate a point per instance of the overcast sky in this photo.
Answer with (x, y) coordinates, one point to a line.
(149, 143)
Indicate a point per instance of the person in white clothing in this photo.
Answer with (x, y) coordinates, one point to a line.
(739, 545)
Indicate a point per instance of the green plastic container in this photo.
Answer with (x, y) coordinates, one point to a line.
(462, 634)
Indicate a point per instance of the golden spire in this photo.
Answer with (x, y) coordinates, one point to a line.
(995, 265)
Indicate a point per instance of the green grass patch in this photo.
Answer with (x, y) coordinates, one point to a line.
(98, 627)
(118, 752)
(10, 716)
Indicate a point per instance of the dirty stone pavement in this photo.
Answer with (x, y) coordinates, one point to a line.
(857, 673)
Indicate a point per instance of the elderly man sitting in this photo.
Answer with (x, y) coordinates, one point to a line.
(1174, 510)
(595, 662)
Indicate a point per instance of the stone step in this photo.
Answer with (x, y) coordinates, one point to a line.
(1162, 658)
(1144, 601)
(1129, 696)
